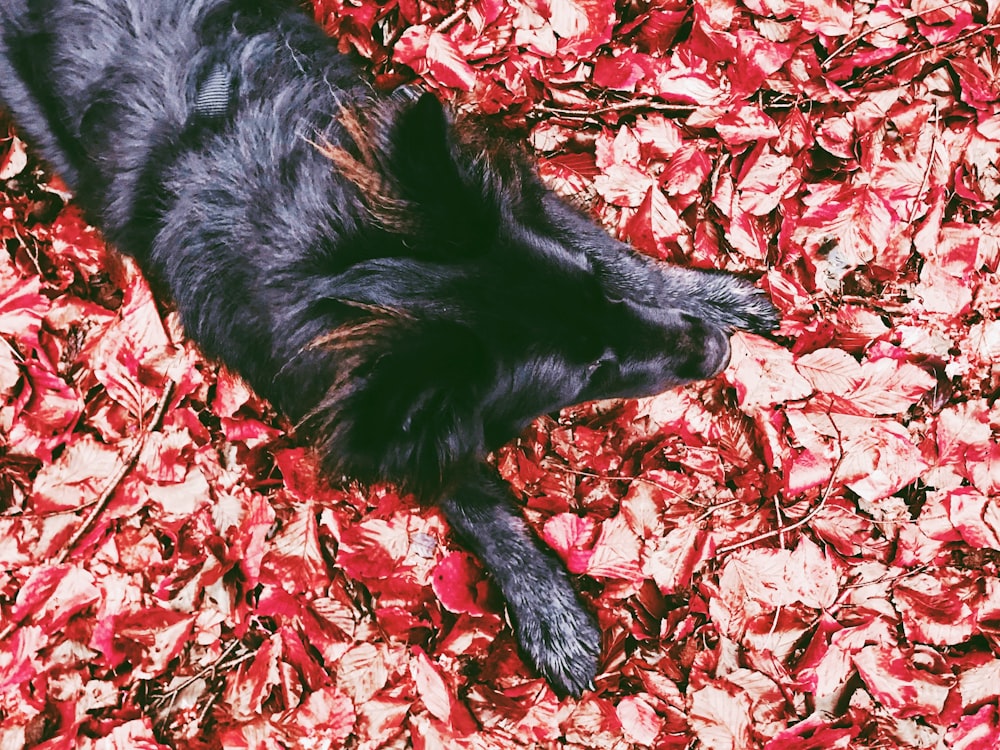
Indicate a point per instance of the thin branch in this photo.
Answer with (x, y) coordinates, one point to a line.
(616, 478)
(934, 47)
(102, 502)
(640, 104)
(883, 27)
(223, 663)
(930, 164)
(790, 527)
(779, 514)
(713, 508)
(452, 19)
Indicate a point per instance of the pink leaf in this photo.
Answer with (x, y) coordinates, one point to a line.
(639, 721)
(763, 373)
(295, 561)
(831, 371)
(616, 552)
(52, 595)
(572, 537)
(447, 65)
(902, 684)
(430, 685)
(459, 584)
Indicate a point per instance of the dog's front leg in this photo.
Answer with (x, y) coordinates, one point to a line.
(555, 631)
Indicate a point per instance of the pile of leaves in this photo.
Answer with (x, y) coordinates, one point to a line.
(802, 553)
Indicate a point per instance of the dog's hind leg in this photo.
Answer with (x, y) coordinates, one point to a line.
(556, 633)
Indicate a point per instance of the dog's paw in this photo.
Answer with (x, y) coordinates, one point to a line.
(562, 640)
(721, 299)
(748, 308)
(756, 312)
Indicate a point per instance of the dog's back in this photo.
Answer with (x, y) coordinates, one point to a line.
(176, 126)
(76, 49)
(108, 89)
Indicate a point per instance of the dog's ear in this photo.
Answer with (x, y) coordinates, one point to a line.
(424, 159)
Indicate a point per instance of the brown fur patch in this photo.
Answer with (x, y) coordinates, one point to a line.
(356, 345)
(368, 173)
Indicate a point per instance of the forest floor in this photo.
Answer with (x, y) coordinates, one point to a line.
(800, 554)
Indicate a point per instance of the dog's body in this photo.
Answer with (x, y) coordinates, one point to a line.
(400, 285)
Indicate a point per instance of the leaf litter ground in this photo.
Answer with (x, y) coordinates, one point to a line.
(802, 553)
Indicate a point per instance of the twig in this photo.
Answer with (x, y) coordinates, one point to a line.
(930, 164)
(934, 47)
(779, 514)
(713, 508)
(102, 502)
(452, 18)
(105, 498)
(13, 351)
(791, 527)
(876, 29)
(888, 577)
(643, 103)
(223, 663)
(616, 478)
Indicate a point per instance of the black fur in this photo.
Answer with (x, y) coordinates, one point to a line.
(397, 282)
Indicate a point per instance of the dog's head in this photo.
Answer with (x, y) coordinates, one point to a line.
(477, 300)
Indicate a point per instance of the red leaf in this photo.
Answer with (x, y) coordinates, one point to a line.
(940, 292)
(827, 17)
(937, 609)
(295, 561)
(19, 661)
(373, 549)
(257, 522)
(571, 536)
(583, 25)
(22, 307)
(430, 685)
(15, 159)
(888, 386)
(639, 721)
(905, 682)
(151, 638)
(437, 695)
(831, 371)
(52, 595)
(763, 373)
(720, 718)
(252, 683)
(674, 561)
(447, 65)
(977, 731)
(136, 734)
(616, 552)
(622, 72)
(654, 224)
(326, 713)
(436, 55)
(77, 477)
(746, 124)
(460, 585)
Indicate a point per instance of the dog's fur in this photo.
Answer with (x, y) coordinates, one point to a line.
(397, 282)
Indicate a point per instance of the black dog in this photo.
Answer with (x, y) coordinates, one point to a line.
(397, 282)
